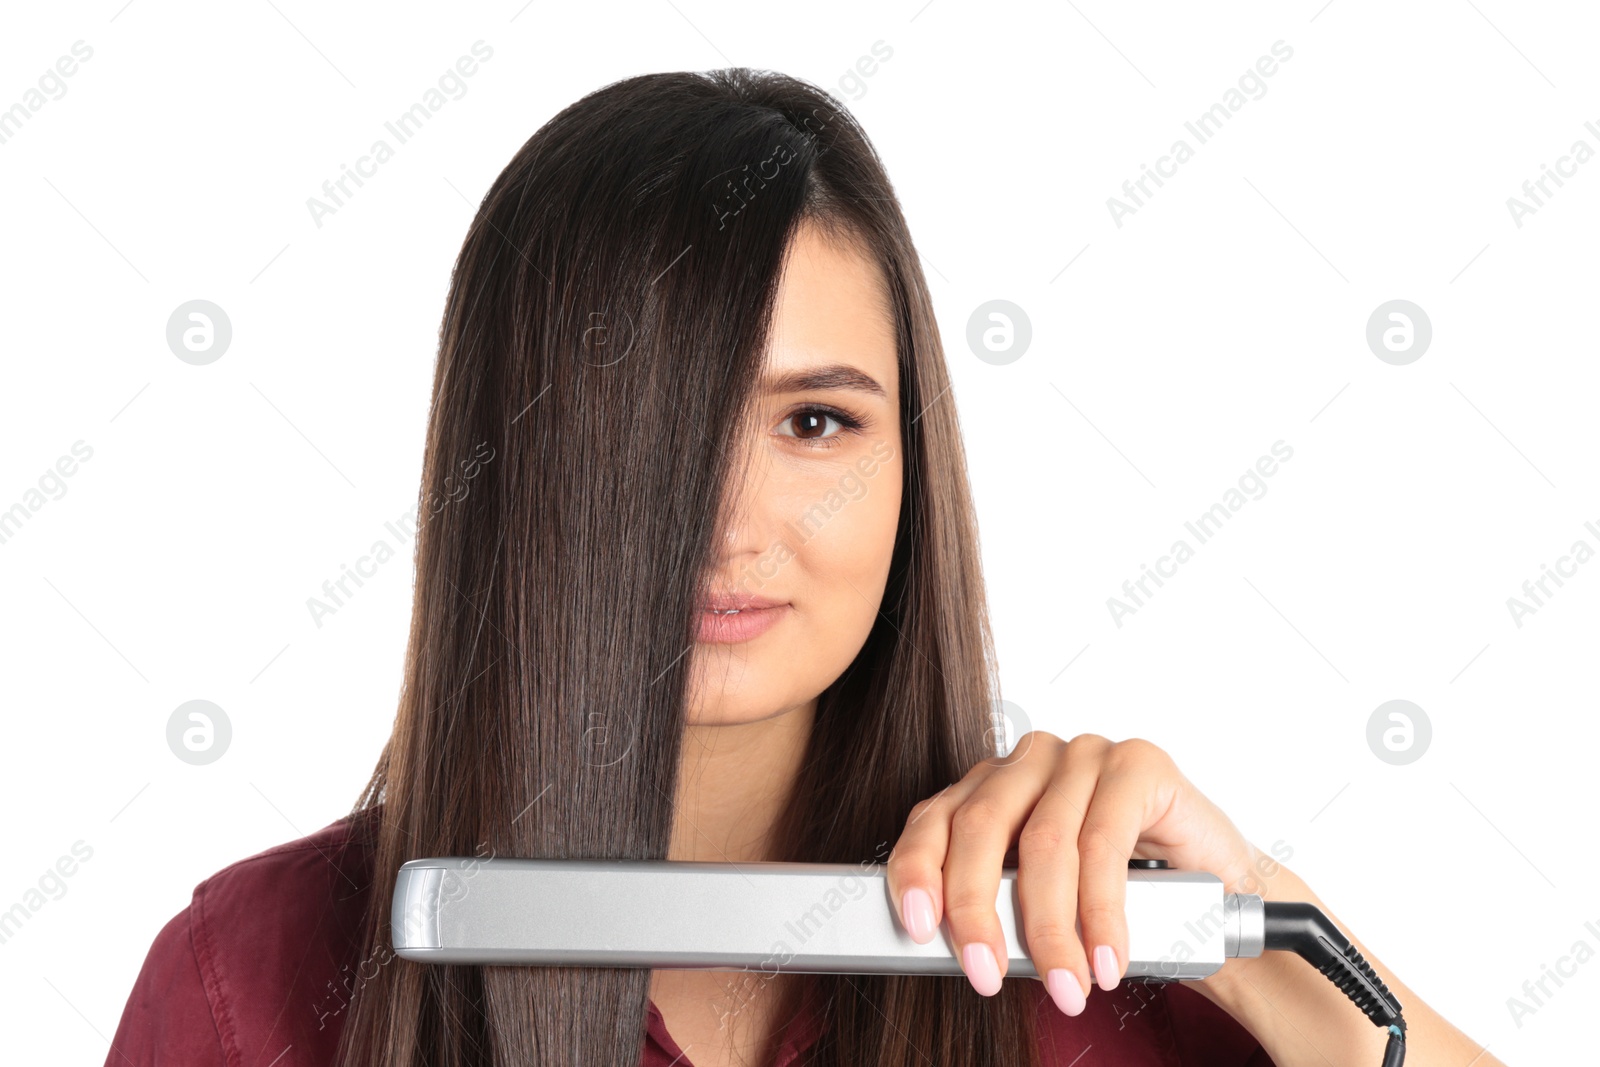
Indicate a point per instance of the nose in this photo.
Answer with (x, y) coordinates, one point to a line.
(746, 528)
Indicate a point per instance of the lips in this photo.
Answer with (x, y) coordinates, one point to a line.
(727, 619)
(738, 602)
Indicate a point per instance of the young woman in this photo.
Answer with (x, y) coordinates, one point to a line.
(698, 580)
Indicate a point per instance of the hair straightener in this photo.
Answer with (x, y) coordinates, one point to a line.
(832, 918)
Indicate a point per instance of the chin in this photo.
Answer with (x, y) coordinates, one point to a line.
(735, 684)
(725, 720)
(732, 713)
(749, 704)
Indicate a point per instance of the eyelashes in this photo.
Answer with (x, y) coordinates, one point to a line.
(850, 424)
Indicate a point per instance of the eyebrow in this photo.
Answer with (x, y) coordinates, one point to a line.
(832, 376)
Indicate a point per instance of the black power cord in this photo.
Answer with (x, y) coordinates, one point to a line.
(1304, 930)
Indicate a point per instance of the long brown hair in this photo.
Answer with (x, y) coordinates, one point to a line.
(606, 321)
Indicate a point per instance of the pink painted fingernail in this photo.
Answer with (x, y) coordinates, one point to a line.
(1105, 967)
(917, 907)
(977, 959)
(1065, 990)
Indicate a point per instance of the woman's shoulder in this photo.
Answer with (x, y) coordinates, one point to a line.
(290, 880)
(1151, 1024)
(259, 967)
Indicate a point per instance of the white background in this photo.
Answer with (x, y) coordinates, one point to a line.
(1167, 355)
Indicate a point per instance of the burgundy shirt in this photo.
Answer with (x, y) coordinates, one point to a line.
(256, 972)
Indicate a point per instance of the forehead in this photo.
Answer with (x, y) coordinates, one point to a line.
(832, 308)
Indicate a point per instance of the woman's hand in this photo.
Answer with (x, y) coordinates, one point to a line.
(1077, 811)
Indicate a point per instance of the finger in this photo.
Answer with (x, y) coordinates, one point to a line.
(981, 831)
(915, 868)
(1047, 873)
(1133, 781)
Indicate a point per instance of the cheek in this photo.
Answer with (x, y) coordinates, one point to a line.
(833, 542)
(840, 569)
(846, 557)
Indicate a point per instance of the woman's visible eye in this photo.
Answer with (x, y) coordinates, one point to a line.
(809, 424)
